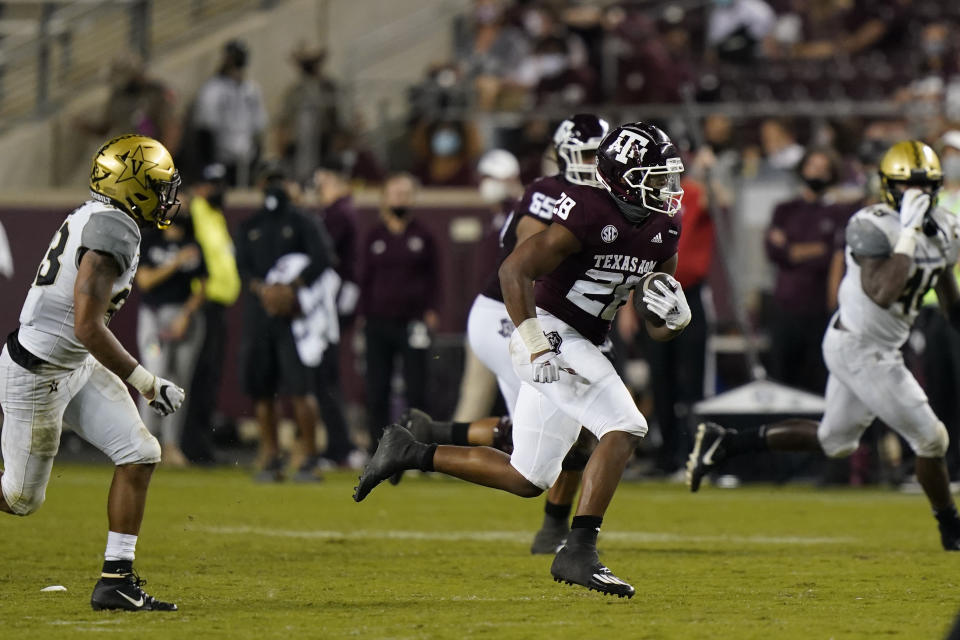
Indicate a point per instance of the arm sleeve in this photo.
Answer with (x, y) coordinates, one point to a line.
(113, 234)
(867, 239)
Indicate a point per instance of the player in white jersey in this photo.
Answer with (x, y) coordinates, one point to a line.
(64, 366)
(895, 252)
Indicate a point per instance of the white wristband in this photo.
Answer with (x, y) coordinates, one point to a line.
(906, 242)
(141, 380)
(532, 335)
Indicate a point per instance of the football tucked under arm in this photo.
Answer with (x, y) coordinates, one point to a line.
(660, 301)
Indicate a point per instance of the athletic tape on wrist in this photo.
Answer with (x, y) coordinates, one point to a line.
(906, 242)
(141, 379)
(532, 335)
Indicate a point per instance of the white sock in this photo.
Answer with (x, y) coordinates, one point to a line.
(120, 546)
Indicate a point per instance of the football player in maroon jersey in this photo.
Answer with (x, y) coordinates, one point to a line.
(562, 288)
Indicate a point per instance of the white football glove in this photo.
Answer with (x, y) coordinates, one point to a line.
(913, 206)
(546, 367)
(669, 304)
(167, 396)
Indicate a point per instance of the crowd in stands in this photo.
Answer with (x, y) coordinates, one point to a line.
(810, 172)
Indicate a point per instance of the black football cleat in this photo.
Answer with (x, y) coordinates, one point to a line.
(549, 538)
(396, 452)
(419, 423)
(950, 535)
(707, 453)
(581, 565)
(125, 593)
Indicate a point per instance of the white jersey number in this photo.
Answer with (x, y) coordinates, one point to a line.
(50, 267)
(603, 292)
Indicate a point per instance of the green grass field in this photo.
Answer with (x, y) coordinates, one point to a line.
(437, 558)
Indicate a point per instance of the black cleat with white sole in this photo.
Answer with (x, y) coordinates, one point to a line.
(125, 593)
(397, 451)
(707, 452)
(581, 565)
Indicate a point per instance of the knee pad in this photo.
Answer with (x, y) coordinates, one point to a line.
(149, 449)
(22, 504)
(143, 449)
(934, 443)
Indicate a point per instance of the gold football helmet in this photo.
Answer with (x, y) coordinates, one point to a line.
(910, 163)
(136, 174)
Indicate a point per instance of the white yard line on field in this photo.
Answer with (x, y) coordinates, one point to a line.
(638, 537)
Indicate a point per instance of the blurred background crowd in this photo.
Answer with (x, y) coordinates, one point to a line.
(782, 108)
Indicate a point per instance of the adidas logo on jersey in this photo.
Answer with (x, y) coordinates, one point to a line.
(657, 239)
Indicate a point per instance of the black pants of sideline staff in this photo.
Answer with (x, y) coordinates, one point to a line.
(197, 438)
(329, 402)
(387, 340)
(796, 356)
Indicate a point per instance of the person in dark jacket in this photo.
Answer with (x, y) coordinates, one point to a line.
(271, 365)
(800, 242)
(398, 301)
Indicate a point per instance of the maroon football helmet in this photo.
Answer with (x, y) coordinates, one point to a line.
(640, 167)
(576, 141)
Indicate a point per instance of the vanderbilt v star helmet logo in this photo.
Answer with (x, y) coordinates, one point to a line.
(609, 233)
(624, 143)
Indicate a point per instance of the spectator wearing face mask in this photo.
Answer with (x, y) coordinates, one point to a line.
(445, 153)
(799, 243)
(398, 301)
(229, 117)
(940, 348)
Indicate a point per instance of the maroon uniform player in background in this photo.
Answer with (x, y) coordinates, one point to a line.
(562, 288)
